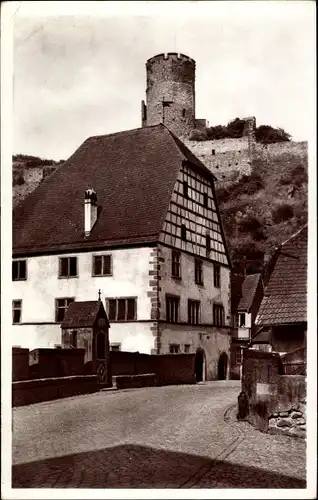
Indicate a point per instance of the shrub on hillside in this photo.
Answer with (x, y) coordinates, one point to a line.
(18, 180)
(282, 213)
(198, 135)
(296, 177)
(268, 135)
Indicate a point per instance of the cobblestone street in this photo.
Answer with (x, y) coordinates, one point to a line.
(160, 437)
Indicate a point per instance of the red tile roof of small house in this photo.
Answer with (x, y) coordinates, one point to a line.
(133, 173)
(83, 314)
(285, 298)
(249, 287)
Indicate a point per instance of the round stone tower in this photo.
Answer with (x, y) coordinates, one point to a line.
(170, 94)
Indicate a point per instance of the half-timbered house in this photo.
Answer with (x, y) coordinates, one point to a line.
(132, 216)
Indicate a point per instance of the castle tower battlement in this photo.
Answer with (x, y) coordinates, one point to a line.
(170, 93)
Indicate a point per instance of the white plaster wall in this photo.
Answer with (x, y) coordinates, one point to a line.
(188, 289)
(38, 293)
(132, 336)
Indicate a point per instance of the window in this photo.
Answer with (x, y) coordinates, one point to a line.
(61, 306)
(241, 319)
(208, 243)
(172, 309)
(213, 152)
(187, 348)
(115, 347)
(74, 338)
(174, 348)
(19, 270)
(176, 264)
(185, 189)
(102, 265)
(122, 309)
(68, 267)
(16, 311)
(205, 200)
(183, 113)
(218, 315)
(193, 312)
(217, 276)
(183, 232)
(238, 356)
(198, 271)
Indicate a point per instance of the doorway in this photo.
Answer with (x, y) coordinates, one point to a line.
(199, 365)
(222, 366)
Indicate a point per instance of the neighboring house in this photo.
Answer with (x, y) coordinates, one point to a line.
(282, 317)
(247, 294)
(134, 216)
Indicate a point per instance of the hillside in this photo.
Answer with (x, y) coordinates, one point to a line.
(263, 209)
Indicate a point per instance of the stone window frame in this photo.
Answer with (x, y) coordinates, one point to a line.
(217, 275)
(68, 274)
(103, 257)
(67, 302)
(176, 264)
(17, 275)
(172, 308)
(17, 309)
(198, 271)
(126, 317)
(194, 312)
(218, 315)
(174, 348)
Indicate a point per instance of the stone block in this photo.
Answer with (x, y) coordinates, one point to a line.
(294, 431)
(300, 421)
(283, 414)
(296, 414)
(285, 422)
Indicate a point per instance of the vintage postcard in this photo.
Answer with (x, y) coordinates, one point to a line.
(158, 259)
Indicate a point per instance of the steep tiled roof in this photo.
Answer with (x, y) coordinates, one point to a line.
(262, 337)
(133, 173)
(285, 298)
(81, 314)
(249, 288)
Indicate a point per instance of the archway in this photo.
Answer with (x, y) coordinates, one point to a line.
(199, 365)
(222, 366)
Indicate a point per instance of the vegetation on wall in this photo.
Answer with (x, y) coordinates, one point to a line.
(264, 134)
(261, 210)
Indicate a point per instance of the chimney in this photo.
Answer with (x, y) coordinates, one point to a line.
(90, 210)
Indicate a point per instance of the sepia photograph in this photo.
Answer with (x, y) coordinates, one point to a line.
(158, 249)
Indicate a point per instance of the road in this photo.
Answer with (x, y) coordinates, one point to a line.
(160, 437)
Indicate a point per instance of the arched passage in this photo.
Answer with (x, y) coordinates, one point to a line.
(199, 365)
(222, 366)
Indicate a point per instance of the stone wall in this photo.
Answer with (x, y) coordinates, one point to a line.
(270, 400)
(20, 364)
(33, 391)
(169, 368)
(224, 157)
(46, 363)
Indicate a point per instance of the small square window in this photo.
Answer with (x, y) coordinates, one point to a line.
(102, 265)
(187, 348)
(19, 271)
(174, 348)
(68, 267)
(16, 311)
(61, 306)
(115, 347)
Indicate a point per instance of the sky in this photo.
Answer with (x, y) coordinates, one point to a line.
(83, 74)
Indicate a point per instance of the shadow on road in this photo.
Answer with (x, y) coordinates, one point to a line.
(132, 466)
